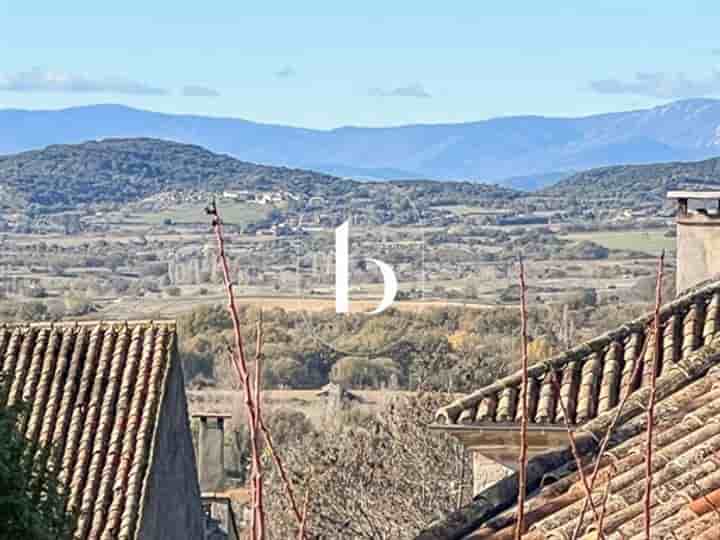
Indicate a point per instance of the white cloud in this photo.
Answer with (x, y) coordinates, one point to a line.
(416, 90)
(42, 80)
(660, 85)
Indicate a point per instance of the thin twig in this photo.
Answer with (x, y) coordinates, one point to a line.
(603, 509)
(520, 524)
(653, 397)
(606, 440)
(573, 447)
(281, 470)
(303, 521)
(257, 398)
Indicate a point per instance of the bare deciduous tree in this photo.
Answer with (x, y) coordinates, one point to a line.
(382, 479)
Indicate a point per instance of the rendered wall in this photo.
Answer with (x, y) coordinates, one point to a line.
(698, 250)
(486, 472)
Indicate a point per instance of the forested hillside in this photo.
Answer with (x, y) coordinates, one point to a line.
(123, 170)
(640, 181)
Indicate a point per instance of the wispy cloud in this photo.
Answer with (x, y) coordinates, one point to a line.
(416, 90)
(660, 85)
(199, 91)
(42, 80)
(285, 73)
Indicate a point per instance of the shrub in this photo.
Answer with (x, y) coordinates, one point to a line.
(360, 372)
(173, 291)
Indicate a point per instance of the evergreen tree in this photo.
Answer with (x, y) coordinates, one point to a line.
(32, 506)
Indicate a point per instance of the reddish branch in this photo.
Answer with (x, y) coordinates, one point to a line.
(281, 471)
(606, 440)
(520, 524)
(576, 455)
(653, 396)
(303, 519)
(606, 496)
(253, 401)
(256, 429)
(257, 527)
(655, 331)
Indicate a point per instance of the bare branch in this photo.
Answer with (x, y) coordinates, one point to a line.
(603, 508)
(576, 455)
(520, 524)
(653, 397)
(257, 478)
(303, 520)
(606, 440)
(257, 527)
(281, 471)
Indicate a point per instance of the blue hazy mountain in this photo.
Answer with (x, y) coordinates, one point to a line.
(531, 151)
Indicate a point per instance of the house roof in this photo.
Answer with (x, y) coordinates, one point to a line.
(94, 392)
(686, 470)
(595, 375)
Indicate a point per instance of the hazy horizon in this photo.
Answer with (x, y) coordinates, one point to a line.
(389, 65)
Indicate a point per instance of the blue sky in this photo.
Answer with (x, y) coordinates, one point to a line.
(325, 64)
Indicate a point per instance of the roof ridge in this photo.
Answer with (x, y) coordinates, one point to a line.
(445, 414)
(84, 323)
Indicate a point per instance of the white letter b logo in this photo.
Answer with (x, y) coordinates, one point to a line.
(342, 274)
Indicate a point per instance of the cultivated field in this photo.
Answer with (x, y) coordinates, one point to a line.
(232, 213)
(651, 242)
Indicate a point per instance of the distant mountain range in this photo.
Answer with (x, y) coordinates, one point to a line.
(530, 151)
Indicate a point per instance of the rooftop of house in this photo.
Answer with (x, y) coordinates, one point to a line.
(594, 376)
(94, 392)
(686, 465)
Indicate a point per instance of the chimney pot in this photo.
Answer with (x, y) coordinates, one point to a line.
(211, 451)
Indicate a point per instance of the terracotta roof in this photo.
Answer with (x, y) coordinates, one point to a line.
(686, 474)
(595, 375)
(94, 392)
(686, 464)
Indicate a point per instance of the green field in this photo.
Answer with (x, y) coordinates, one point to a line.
(234, 213)
(651, 242)
(465, 210)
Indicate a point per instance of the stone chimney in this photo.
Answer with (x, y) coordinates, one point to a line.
(698, 236)
(211, 451)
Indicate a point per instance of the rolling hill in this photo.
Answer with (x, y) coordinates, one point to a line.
(640, 181)
(123, 170)
(65, 177)
(492, 150)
